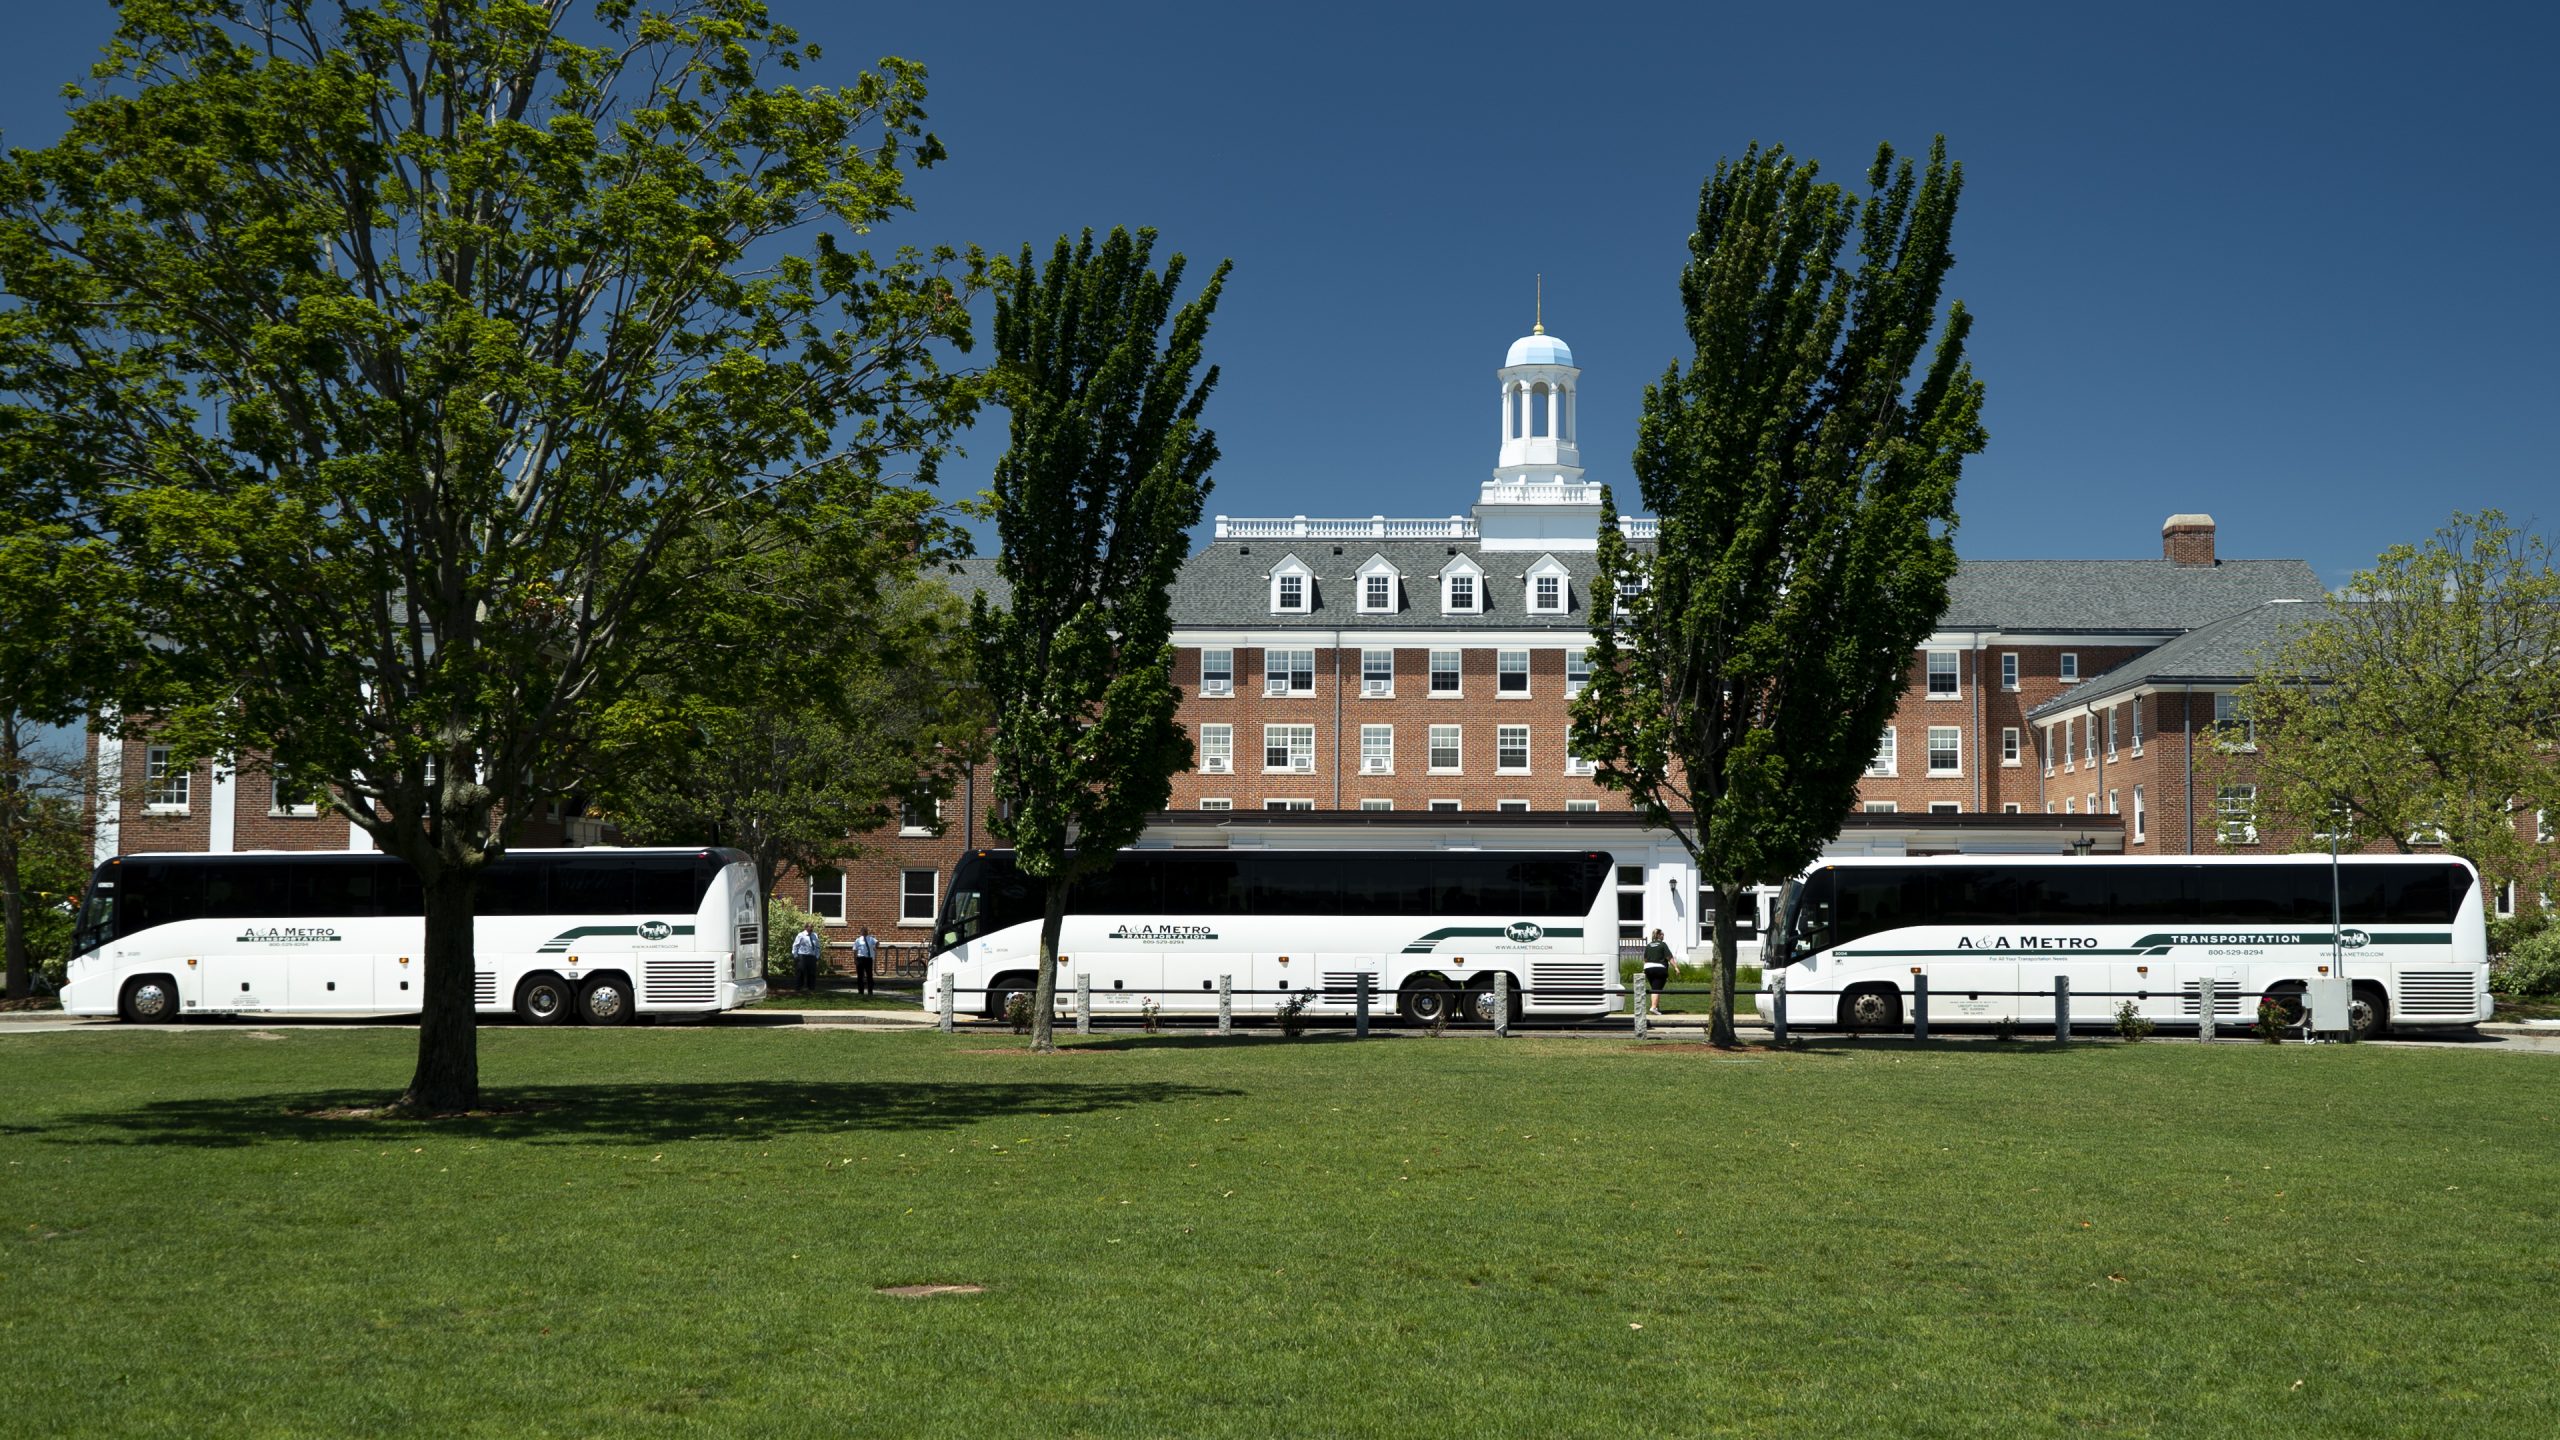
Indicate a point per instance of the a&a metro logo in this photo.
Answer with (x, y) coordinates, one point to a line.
(1522, 932)
(1164, 934)
(655, 929)
(288, 935)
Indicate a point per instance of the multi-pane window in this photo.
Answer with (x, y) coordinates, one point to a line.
(1377, 591)
(1444, 672)
(1377, 749)
(1880, 807)
(2231, 719)
(1575, 764)
(1946, 750)
(1945, 807)
(1577, 671)
(1217, 749)
(1288, 747)
(2070, 665)
(1377, 672)
(2093, 802)
(2136, 707)
(1511, 747)
(2008, 744)
(2013, 808)
(2009, 671)
(2090, 731)
(1942, 675)
(919, 818)
(1377, 804)
(1288, 804)
(916, 895)
(2049, 749)
(1886, 756)
(2236, 811)
(2070, 744)
(1462, 591)
(1511, 673)
(1289, 672)
(1217, 672)
(826, 895)
(2111, 802)
(1218, 804)
(2113, 712)
(1581, 807)
(1292, 593)
(1546, 593)
(2542, 826)
(2141, 818)
(1512, 807)
(1446, 807)
(1444, 747)
(281, 799)
(164, 786)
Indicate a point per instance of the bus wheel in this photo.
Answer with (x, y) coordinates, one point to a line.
(2286, 997)
(149, 1000)
(1002, 989)
(607, 1000)
(544, 999)
(1479, 1002)
(1871, 1007)
(2369, 1012)
(1424, 1002)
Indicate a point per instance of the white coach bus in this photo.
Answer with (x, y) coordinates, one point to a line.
(1430, 929)
(1852, 935)
(595, 934)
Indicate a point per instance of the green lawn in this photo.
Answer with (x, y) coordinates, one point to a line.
(838, 994)
(678, 1230)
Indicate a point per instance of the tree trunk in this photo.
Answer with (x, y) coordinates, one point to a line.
(14, 815)
(1044, 1003)
(448, 1074)
(1720, 1029)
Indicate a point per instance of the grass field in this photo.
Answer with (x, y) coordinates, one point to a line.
(679, 1230)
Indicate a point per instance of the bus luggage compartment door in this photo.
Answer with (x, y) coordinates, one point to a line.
(322, 979)
(245, 980)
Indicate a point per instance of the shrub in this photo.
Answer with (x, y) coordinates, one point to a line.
(2132, 1024)
(1147, 1012)
(2275, 1016)
(1293, 1012)
(1017, 1012)
(2506, 932)
(782, 920)
(2531, 969)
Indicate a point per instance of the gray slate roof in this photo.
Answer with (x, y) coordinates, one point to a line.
(2228, 651)
(2098, 596)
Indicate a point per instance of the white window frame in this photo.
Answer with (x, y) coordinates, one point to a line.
(1292, 568)
(1285, 739)
(2013, 808)
(2135, 704)
(1462, 567)
(1953, 673)
(2235, 815)
(1377, 804)
(1283, 663)
(1879, 807)
(910, 821)
(1377, 749)
(2542, 828)
(1376, 570)
(1577, 672)
(2067, 666)
(2010, 749)
(1446, 805)
(1287, 803)
(1547, 568)
(826, 895)
(1511, 807)
(278, 805)
(2141, 819)
(1504, 744)
(1577, 764)
(2070, 804)
(1217, 802)
(1377, 673)
(1457, 670)
(2228, 719)
(1218, 678)
(2111, 801)
(2045, 734)
(2113, 712)
(1502, 673)
(2009, 671)
(1217, 749)
(1456, 736)
(1582, 807)
(1935, 770)
(907, 895)
(1888, 756)
(166, 789)
(1945, 807)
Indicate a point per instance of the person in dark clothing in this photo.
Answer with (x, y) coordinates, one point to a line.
(1657, 969)
(866, 950)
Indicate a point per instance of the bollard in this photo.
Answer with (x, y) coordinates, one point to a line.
(1502, 1003)
(1641, 998)
(1919, 1007)
(1778, 1008)
(1360, 1008)
(1084, 1004)
(1226, 1004)
(946, 1002)
(2204, 1009)
(2061, 1009)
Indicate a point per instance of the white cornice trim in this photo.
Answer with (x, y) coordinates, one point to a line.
(1379, 637)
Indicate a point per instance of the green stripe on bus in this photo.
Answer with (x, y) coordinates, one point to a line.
(560, 942)
(1423, 944)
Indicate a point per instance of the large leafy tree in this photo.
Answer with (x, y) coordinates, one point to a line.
(1106, 471)
(828, 697)
(413, 339)
(2419, 704)
(1806, 485)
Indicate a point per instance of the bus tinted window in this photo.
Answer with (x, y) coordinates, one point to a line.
(2423, 894)
(1294, 885)
(1991, 895)
(1387, 885)
(1552, 887)
(1865, 901)
(246, 890)
(1202, 885)
(601, 887)
(513, 885)
(2149, 894)
(159, 892)
(669, 884)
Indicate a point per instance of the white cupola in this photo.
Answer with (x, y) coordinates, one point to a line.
(1537, 498)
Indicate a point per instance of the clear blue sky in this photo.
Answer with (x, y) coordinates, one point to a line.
(2292, 265)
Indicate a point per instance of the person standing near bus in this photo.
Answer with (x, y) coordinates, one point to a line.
(1657, 969)
(865, 951)
(804, 959)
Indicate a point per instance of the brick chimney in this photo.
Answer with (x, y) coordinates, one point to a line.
(2187, 539)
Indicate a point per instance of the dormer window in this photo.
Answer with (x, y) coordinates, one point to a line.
(1379, 586)
(1293, 588)
(1462, 588)
(1550, 589)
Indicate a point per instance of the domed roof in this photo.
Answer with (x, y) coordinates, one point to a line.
(1539, 350)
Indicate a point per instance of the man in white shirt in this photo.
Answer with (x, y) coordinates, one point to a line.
(865, 951)
(804, 958)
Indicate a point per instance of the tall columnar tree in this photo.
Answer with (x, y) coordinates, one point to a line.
(2422, 701)
(414, 339)
(1106, 473)
(1806, 488)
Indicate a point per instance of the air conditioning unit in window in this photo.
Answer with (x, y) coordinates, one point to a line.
(1303, 764)
(1216, 765)
(1276, 685)
(1376, 687)
(1375, 765)
(1217, 687)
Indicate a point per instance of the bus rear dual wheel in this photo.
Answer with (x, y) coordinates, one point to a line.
(2368, 1006)
(547, 999)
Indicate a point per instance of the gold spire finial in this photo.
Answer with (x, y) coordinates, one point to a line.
(1540, 327)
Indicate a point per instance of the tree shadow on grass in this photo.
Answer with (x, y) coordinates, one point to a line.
(618, 1114)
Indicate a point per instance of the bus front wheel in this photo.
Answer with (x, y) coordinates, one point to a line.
(1871, 1007)
(544, 999)
(149, 1000)
(607, 1000)
(1002, 989)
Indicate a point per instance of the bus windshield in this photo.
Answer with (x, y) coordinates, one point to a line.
(1804, 920)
